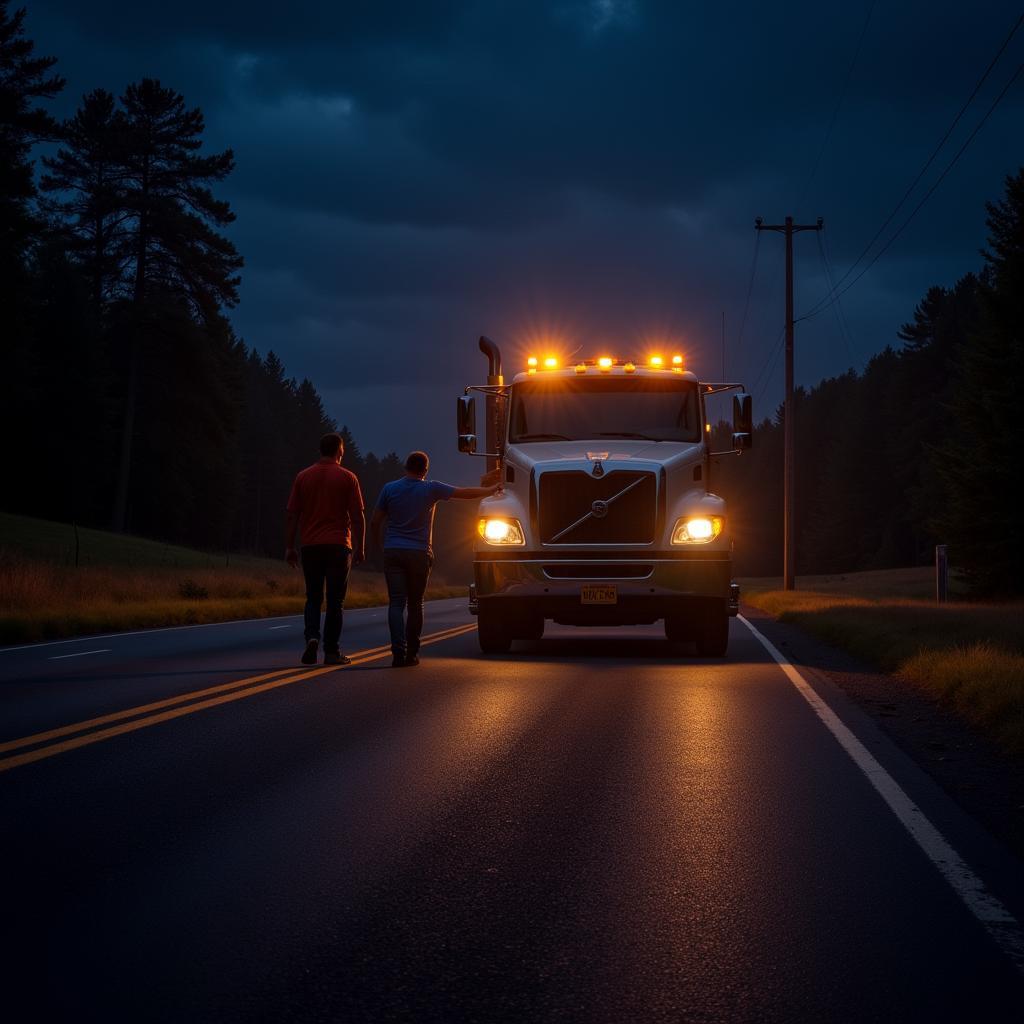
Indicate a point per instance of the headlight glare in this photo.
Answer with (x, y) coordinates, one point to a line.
(697, 529)
(504, 532)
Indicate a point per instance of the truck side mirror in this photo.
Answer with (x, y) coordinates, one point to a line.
(742, 414)
(465, 418)
(740, 442)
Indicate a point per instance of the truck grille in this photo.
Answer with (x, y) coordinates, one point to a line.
(617, 508)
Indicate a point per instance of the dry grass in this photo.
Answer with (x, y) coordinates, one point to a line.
(969, 655)
(918, 582)
(41, 601)
(981, 681)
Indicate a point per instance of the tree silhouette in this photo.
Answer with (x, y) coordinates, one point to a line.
(24, 79)
(165, 191)
(85, 182)
(979, 461)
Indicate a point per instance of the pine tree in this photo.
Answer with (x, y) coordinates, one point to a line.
(979, 464)
(85, 183)
(172, 216)
(166, 190)
(24, 79)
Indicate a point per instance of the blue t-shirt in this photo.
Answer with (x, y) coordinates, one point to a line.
(409, 506)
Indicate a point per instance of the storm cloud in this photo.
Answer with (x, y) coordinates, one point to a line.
(411, 175)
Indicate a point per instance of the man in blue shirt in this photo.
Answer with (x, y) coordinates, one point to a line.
(406, 506)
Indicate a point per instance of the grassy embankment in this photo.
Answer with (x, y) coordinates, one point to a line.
(125, 583)
(968, 655)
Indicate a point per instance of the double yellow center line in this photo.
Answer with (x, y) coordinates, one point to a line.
(82, 734)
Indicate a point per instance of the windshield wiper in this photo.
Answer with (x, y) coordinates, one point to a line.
(541, 437)
(622, 433)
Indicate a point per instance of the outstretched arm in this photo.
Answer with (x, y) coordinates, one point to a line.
(475, 492)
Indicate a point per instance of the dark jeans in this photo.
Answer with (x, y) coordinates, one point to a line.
(406, 572)
(325, 566)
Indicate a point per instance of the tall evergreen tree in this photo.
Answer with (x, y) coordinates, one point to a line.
(980, 462)
(85, 183)
(173, 214)
(24, 80)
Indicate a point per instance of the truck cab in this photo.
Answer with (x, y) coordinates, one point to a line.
(605, 516)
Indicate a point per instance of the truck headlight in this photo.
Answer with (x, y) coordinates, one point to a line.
(697, 529)
(501, 531)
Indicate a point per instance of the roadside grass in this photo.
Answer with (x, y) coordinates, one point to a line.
(133, 583)
(41, 540)
(969, 656)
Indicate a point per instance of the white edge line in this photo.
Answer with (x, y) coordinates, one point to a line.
(196, 625)
(78, 654)
(140, 632)
(1001, 925)
(287, 625)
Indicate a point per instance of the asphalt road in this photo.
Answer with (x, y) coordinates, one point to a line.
(598, 827)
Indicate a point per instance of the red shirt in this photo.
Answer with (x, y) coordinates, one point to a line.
(327, 500)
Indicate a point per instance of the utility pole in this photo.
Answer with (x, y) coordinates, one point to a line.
(788, 544)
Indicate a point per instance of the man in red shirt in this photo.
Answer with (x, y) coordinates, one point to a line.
(326, 505)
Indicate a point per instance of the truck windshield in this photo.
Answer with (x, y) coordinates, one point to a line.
(567, 409)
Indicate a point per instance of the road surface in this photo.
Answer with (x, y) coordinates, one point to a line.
(597, 827)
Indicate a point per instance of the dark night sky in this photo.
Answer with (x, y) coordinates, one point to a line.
(412, 174)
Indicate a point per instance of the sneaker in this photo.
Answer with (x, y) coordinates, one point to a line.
(336, 658)
(309, 654)
(411, 660)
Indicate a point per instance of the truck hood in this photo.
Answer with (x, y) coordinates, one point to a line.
(537, 452)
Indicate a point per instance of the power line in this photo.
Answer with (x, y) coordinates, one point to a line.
(844, 331)
(772, 353)
(834, 295)
(772, 367)
(836, 108)
(931, 159)
(750, 290)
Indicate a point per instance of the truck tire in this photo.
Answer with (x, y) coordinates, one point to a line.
(533, 629)
(676, 629)
(492, 634)
(713, 638)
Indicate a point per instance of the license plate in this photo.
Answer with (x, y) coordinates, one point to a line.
(594, 593)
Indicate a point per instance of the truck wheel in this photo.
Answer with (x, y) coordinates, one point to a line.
(713, 638)
(533, 629)
(494, 638)
(676, 631)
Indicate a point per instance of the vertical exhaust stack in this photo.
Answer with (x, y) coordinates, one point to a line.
(494, 377)
(493, 354)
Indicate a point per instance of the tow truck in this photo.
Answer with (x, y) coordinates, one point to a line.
(605, 516)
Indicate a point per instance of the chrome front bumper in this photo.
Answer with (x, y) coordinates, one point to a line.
(647, 589)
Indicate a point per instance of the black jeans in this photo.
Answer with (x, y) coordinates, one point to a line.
(406, 572)
(325, 566)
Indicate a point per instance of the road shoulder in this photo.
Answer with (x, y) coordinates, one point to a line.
(986, 782)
